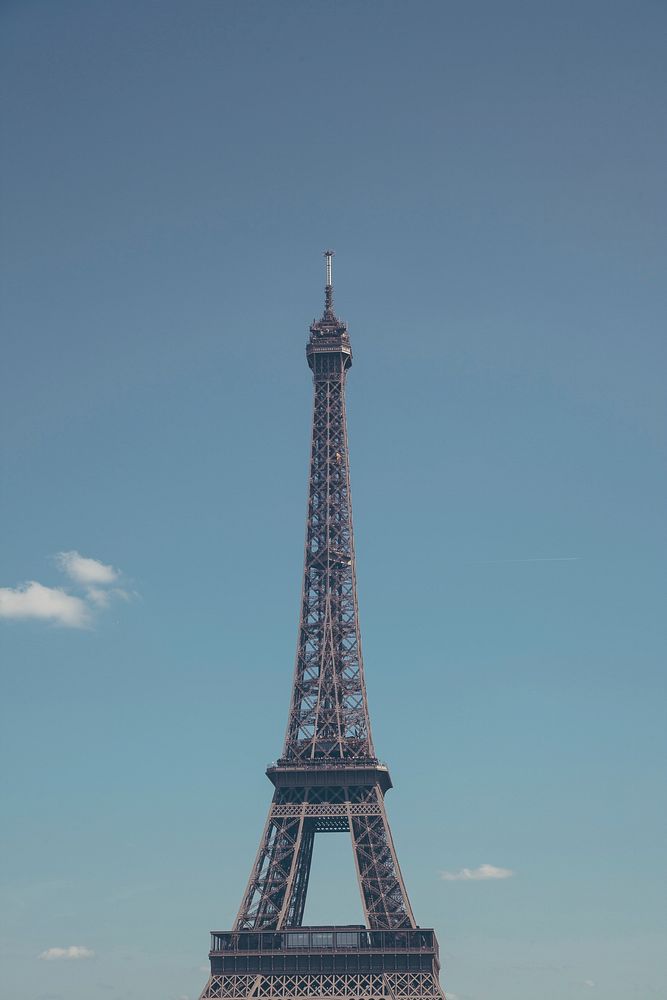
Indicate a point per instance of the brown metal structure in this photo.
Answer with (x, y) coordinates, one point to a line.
(328, 778)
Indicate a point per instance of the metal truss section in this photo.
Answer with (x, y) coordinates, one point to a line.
(385, 898)
(329, 715)
(283, 853)
(327, 810)
(391, 986)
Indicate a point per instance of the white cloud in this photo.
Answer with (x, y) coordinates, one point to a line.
(54, 604)
(86, 571)
(588, 982)
(75, 951)
(34, 600)
(480, 874)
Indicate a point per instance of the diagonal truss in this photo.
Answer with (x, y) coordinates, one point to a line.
(391, 986)
(328, 717)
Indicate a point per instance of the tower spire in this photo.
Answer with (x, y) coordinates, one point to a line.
(328, 289)
(329, 325)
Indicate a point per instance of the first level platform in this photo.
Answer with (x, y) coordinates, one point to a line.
(324, 962)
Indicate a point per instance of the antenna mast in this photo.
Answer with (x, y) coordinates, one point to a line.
(328, 291)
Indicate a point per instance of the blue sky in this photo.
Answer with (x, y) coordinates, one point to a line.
(492, 179)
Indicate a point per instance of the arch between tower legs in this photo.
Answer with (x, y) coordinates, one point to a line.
(275, 897)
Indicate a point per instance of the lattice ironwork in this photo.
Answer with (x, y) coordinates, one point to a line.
(329, 715)
(328, 778)
(359, 986)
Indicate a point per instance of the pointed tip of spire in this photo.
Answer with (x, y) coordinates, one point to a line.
(328, 290)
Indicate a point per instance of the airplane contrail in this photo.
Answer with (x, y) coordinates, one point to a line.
(532, 559)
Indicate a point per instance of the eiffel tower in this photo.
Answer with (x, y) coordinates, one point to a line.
(329, 778)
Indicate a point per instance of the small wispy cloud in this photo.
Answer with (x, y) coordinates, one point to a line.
(100, 598)
(84, 570)
(588, 982)
(73, 953)
(34, 600)
(483, 873)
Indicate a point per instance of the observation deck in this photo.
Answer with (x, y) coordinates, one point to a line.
(347, 949)
(327, 773)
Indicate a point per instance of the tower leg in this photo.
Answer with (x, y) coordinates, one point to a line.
(383, 892)
(275, 896)
(273, 872)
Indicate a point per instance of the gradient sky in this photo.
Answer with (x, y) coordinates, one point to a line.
(492, 177)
